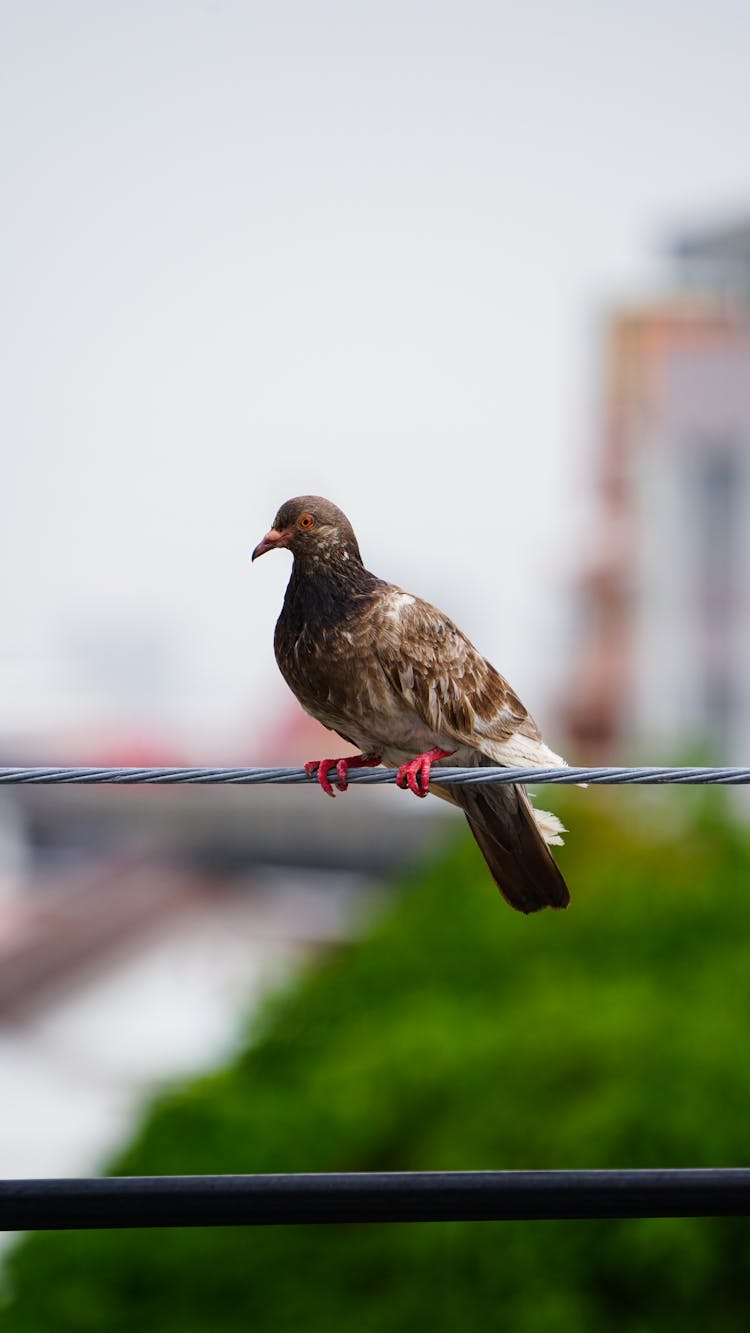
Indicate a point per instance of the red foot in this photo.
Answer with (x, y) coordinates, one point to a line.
(419, 768)
(318, 768)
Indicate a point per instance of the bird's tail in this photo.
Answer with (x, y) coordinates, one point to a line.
(512, 837)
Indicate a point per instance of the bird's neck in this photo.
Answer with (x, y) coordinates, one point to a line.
(323, 590)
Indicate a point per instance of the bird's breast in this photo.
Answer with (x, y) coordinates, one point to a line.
(327, 670)
(342, 684)
(330, 656)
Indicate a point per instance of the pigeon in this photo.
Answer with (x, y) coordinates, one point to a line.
(397, 679)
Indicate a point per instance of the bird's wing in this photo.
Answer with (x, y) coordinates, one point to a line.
(438, 672)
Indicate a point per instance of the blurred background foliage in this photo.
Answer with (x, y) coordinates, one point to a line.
(457, 1034)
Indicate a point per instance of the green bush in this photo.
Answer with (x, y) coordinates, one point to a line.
(458, 1034)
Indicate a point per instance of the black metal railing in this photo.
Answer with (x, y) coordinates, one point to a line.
(399, 1196)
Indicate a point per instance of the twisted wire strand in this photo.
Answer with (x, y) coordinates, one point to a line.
(369, 776)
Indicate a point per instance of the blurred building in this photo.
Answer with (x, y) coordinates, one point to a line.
(662, 651)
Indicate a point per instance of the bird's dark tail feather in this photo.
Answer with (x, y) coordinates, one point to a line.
(502, 821)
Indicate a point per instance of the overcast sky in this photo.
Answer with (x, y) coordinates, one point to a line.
(251, 250)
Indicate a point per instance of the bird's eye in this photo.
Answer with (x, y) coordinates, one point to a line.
(305, 521)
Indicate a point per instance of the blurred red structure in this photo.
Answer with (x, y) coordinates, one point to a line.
(662, 655)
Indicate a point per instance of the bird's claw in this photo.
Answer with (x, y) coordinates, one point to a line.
(319, 769)
(416, 773)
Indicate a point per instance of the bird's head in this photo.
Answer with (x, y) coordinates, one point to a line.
(314, 530)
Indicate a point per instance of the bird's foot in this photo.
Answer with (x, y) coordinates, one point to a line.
(416, 773)
(319, 768)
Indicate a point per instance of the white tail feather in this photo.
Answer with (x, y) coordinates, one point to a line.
(550, 827)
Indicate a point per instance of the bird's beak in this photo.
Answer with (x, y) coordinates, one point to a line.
(270, 542)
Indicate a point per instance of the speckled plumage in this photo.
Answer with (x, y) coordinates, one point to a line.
(394, 676)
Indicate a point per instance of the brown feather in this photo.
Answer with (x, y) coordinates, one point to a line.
(502, 822)
(438, 671)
